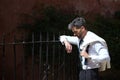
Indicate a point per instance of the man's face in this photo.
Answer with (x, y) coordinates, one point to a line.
(77, 31)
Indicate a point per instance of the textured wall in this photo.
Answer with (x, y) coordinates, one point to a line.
(10, 9)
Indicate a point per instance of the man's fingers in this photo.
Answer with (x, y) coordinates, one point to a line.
(69, 49)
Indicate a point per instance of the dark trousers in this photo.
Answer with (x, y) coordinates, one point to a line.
(90, 74)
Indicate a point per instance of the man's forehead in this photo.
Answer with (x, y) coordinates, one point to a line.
(74, 29)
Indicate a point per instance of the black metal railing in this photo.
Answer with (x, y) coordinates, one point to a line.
(39, 56)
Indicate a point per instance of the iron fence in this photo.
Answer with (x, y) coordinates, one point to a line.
(39, 56)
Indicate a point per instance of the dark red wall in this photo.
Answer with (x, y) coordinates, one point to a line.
(11, 9)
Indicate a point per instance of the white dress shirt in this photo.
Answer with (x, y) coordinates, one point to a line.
(98, 50)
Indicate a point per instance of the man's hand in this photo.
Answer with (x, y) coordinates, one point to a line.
(84, 54)
(68, 46)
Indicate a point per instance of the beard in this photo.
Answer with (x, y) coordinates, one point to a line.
(80, 34)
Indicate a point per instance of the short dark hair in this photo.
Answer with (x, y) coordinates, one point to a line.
(77, 22)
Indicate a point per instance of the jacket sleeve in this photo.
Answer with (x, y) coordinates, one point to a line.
(102, 53)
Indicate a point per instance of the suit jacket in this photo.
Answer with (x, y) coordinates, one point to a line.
(92, 38)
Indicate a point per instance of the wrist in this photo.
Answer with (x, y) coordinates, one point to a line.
(65, 41)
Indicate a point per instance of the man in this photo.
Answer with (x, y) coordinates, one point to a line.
(93, 51)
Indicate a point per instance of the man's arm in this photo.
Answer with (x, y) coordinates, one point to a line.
(67, 41)
(102, 53)
(71, 39)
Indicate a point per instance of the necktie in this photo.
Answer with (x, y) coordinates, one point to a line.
(80, 42)
(80, 57)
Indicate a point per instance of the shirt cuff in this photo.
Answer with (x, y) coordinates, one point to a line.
(62, 39)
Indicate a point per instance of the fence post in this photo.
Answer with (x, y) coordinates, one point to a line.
(33, 46)
(14, 51)
(47, 66)
(40, 58)
(3, 57)
(53, 61)
(23, 60)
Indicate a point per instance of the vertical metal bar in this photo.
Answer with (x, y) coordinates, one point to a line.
(59, 65)
(40, 58)
(70, 66)
(14, 51)
(33, 46)
(53, 59)
(3, 58)
(45, 77)
(64, 70)
(64, 66)
(47, 65)
(23, 73)
(59, 61)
